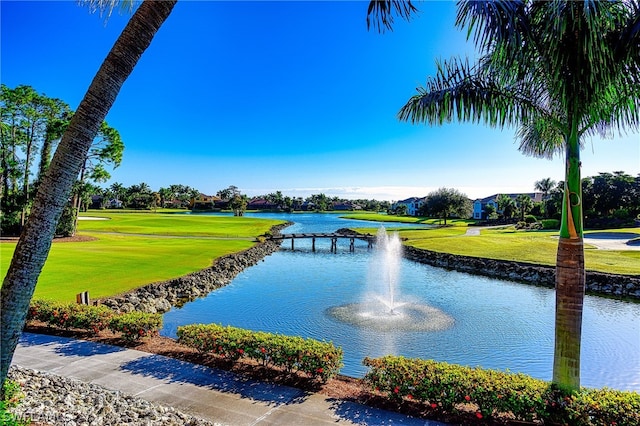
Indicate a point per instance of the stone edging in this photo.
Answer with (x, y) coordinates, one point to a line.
(160, 297)
(622, 286)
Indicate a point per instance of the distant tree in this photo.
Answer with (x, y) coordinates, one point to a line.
(401, 210)
(490, 211)
(506, 205)
(238, 204)
(447, 202)
(165, 195)
(107, 149)
(524, 204)
(118, 191)
(140, 196)
(545, 186)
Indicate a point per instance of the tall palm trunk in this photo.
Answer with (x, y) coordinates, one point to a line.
(570, 275)
(53, 194)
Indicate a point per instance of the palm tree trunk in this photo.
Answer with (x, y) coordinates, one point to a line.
(53, 194)
(570, 276)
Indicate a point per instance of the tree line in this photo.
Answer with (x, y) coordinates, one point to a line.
(32, 124)
(142, 196)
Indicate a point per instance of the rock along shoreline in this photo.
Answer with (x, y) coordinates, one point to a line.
(161, 296)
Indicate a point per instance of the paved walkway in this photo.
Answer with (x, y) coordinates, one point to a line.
(215, 395)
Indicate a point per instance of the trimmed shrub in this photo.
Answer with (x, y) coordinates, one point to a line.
(319, 360)
(132, 325)
(445, 387)
(70, 315)
(530, 219)
(136, 325)
(550, 224)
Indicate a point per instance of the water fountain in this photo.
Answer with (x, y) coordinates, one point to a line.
(382, 308)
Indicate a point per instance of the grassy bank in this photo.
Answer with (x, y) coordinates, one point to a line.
(524, 246)
(379, 217)
(131, 250)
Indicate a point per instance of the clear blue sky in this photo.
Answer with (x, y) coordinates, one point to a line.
(290, 96)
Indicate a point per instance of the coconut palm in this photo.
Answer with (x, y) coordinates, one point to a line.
(53, 193)
(559, 71)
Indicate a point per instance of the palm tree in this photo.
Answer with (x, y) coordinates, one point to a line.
(506, 205)
(559, 71)
(545, 186)
(53, 193)
(525, 204)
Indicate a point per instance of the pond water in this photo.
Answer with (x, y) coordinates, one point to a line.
(496, 324)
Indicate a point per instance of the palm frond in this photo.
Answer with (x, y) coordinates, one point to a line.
(540, 138)
(494, 22)
(380, 13)
(106, 7)
(464, 93)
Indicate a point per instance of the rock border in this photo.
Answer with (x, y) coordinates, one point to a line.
(159, 297)
(599, 283)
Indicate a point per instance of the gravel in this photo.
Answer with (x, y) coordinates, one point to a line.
(55, 400)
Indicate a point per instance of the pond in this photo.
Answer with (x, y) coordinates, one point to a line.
(494, 323)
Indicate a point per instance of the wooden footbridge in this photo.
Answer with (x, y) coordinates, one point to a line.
(334, 236)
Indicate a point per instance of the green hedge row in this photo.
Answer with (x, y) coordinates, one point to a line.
(132, 326)
(319, 360)
(448, 388)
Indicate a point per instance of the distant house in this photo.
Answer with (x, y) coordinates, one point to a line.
(261, 204)
(413, 205)
(204, 202)
(347, 205)
(480, 203)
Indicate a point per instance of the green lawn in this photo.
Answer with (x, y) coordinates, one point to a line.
(525, 246)
(378, 217)
(115, 263)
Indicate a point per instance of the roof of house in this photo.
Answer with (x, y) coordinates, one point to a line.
(535, 196)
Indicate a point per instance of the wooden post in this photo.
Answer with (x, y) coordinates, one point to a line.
(313, 244)
(334, 245)
(352, 245)
(82, 298)
(292, 238)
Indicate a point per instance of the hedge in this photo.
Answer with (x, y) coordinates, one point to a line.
(447, 388)
(132, 326)
(319, 360)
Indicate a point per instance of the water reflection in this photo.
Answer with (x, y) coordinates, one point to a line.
(498, 324)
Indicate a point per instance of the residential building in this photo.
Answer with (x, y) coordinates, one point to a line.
(204, 202)
(413, 205)
(480, 203)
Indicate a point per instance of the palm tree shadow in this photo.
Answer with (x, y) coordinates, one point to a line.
(66, 346)
(176, 371)
(359, 414)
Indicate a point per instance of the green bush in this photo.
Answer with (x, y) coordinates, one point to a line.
(550, 224)
(70, 315)
(136, 325)
(11, 396)
(132, 326)
(445, 387)
(530, 219)
(319, 360)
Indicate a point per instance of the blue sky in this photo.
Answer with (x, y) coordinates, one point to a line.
(290, 96)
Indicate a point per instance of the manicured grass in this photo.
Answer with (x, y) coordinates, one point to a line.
(524, 246)
(378, 217)
(116, 263)
(176, 224)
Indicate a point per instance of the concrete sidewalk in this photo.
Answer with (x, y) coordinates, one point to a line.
(215, 395)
